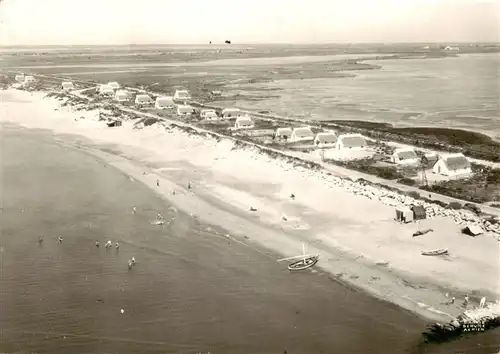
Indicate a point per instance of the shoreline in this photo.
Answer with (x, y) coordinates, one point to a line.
(390, 285)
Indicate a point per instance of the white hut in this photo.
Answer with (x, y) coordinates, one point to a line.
(184, 110)
(283, 133)
(302, 134)
(164, 102)
(452, 165)
(405, 156)
(325, 139)
(351, 141)
(244, 122)
(106, 90)
(122, 96)
(113, 84)
(67, 85)
(19, 78)
(209, 114)
(182, 95)
(28, 79)
(231, 113)
(143, 99)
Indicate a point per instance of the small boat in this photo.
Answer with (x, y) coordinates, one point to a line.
(439, 252)
(305, 261)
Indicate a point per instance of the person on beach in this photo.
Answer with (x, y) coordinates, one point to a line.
(133, 260)
(40, 239)
(157, 182)
(97, 244)
(60, 239)
(134, 209)
(189, 185)
(129, 265)
(159, 217)
(108, 244)
(466, 300)
(117, 245)
(452, 300)
(482, 302)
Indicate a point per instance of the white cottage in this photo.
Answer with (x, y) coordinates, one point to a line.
(325, 139)
(164, 102)
(209, 114)
(283, 133)
(67, 85)
(113, 84)
(184, 110)
(143, 99)
(231, 113)
(122, 96)
(106, 90)
(351, 141)
(405, 156)
(28, 79)
(244, 122)
(182, 95)
(19, 78)
(302, 134)
(452, 165)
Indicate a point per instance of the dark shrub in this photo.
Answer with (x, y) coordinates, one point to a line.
(408, 182)
(454, 205)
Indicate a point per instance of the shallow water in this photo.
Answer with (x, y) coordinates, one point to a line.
(459, 92)
(190, 291)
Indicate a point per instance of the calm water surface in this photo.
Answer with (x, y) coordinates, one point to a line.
(190, 291)
(460, 92)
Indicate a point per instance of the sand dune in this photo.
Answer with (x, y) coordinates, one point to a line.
(358, 240)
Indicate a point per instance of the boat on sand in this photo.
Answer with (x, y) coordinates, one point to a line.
(438, 252)
(305, 261)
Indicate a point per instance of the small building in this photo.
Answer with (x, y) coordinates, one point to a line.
(244, 122)
(143, 99)
(19, 78)
(452, 165)
(164, 102)
(122, 96)
(404, 214)
(106, 90)
(180, 95)
(67, 85)
(302, 134)
(28, 79)
(351, 141)
(472, 230)
(231, 113)
(418, 212)
(283, 133)
(405, 156)
(209, 114)
(184, 110)
(114, 85)
(325, 139)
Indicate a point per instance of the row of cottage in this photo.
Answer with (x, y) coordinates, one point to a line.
(447, 165)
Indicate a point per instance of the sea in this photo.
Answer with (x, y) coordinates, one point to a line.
(191, 290)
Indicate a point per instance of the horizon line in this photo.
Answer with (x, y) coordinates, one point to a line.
(243, 43)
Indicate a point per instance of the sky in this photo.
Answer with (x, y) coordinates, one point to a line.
(87, 22)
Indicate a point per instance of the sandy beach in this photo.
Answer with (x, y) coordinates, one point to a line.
(359, 242)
